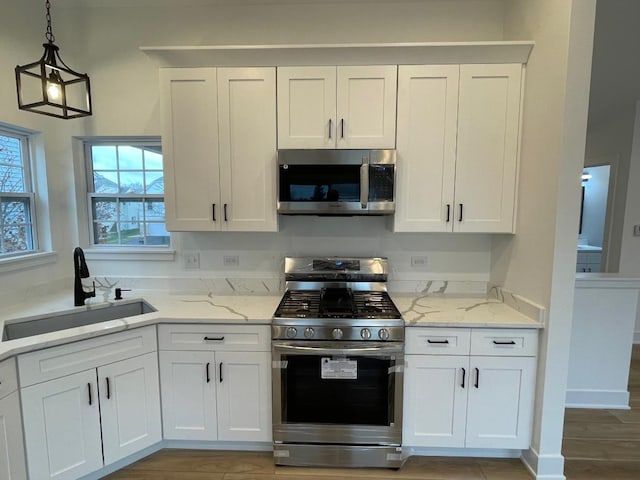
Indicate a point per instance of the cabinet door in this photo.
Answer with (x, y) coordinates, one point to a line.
(427, 123)
(62, 427)
(188, 382)
(244, 396)
(366, 106)
(435, 400)
(247, 126)
(488, 139)
(501, 405)
(306, 107)
(190, 148)
(130, 406)
(12, 461)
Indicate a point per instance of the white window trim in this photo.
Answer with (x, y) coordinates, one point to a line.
(94, 251)
(27, 259)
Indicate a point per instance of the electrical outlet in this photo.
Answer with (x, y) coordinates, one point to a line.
(192, 260)
(636, 230)
(231, 260)
(419, 261)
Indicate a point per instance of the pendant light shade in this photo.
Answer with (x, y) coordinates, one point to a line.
(48, 86)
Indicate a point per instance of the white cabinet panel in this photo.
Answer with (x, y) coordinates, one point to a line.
(130, 406)
(247, 129)
(12, 460)
(427, 121)
(244, 393)
(190, 148)
(306, 107)
(221, 337)
(437, 341)
(188, 382)
(500, 402)
(62, 427)
(436, 400)
(337, 107)
(488, 140)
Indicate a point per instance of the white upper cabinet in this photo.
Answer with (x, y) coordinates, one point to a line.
(458, 136)
(219, 143)
(488, 139)
(337, 107)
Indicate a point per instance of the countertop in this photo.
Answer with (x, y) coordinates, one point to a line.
(417, 310)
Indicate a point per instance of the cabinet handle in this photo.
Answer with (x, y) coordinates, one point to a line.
(460, 218)
(510, 342)
(342, 128)
(90, 394)
(477, 378)
(213, 205)
(108, 389)
(464, 374)
(220, 372)
(448, 212)
(213, 339)
(437, 341)
(225, 212)
(330, 127)
(208, 377)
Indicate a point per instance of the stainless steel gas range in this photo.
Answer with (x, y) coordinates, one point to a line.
(338, 359)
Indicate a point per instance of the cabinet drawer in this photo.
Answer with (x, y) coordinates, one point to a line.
(504, 342)
(437, 341)
(8, 377)
(253, 338)
(42, 365)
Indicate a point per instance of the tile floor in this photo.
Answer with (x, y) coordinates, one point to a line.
(598, 445)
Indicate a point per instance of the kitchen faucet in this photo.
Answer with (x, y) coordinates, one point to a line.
(81, 271)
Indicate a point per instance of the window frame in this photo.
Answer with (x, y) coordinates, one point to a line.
(90, 194)
(29, 194)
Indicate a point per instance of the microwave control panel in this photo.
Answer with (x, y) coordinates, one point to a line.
(381, 183)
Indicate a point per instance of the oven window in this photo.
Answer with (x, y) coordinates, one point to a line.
(320, 183)
(364, 396)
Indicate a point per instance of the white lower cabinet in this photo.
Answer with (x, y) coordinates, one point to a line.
(12, 462)
(82, 421)
(469, 401)
(213, 393)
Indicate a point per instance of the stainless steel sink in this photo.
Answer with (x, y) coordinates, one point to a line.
(62, 321)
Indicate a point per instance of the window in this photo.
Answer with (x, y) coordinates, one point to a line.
(126, 193)
(17, 200)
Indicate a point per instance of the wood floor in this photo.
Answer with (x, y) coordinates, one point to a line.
(598, 445)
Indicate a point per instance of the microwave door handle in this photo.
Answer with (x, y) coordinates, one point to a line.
(364, 182)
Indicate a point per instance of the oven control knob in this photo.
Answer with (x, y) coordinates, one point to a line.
(309, 332)
(337, 333)
(383, 334)
(365, 333)
(291, 332)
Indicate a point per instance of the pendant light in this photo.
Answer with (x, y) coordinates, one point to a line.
(49, 86)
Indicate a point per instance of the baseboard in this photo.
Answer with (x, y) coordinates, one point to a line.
(603, 399)
(460, 452)
(543, 467)
(202, 445)
(636, 337)
(124, 462)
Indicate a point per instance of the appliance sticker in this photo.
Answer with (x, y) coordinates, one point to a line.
(342, 369)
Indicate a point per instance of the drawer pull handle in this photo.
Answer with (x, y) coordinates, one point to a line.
(510, 342)
(443, 342)
(108, 389)
(220, 372)
(477, 384)
(208, 376)
(464, 374)
(90, 395)
(213, 339)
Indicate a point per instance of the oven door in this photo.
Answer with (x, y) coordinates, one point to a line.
(337, 392)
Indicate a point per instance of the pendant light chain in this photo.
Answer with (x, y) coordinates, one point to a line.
(49, 35)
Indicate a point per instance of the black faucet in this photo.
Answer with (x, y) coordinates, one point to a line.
(81, 271)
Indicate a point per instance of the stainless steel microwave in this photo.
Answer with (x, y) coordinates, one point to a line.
(336, 182)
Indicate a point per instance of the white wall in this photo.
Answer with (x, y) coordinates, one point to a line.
(594, 209)
(539, 262)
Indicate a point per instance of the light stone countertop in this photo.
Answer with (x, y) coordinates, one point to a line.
(417, 310)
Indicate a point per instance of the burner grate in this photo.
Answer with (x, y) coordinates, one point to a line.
(299, 303)
(375, 305)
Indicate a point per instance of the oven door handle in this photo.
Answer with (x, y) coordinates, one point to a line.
(338, 348)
